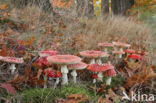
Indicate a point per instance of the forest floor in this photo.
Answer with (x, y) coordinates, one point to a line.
(25, 32)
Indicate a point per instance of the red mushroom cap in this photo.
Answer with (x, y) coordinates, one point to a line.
(64, 59)
(47, 53)
(121, 44)
(142, 53)
(43, 61)
(110, 73)
(13, 60)
(129, 51)
(105, 45)
(108, 66)
(94, 76)
(50, 72)
(135, 56)
(93, 54)
(79, 66)
(118, 52)
(98, 68)
(58, 74)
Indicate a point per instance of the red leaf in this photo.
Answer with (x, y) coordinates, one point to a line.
(9, 88)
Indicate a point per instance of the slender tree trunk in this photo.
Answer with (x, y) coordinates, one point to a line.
(105, 7)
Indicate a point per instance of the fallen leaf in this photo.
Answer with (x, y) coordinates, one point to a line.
(8, 87)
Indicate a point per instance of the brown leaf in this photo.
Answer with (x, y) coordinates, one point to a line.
(104, 100)
(39, 73)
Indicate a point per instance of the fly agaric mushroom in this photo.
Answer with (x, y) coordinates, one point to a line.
(48, 73)
(13, 61)
(41, 61)
(47, 53)
(64, 60)
(97, 68)
(120, 45)
(57, 76)
(106, 46)
(74, 67)
(92, 55)
(134, 57)
(142, 53)
(129, 51)
(110, 73)
(94, 77)
(120, 53)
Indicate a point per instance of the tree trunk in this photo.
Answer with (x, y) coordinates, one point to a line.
(105, 7)
(121, 6)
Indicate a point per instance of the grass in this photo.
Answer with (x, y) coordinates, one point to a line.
(48, 95)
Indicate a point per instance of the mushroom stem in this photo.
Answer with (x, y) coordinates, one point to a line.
(64, 71)
(45, 81)
(106, 50)
(115, 49)
(120, 55)
(74, 74)
(92, 61)
(108, 81)
(98, 61)
(50, 78)
(100, 76)
(12, 68)
(56, 83)
(94, 80)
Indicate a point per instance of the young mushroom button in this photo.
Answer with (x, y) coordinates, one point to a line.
(97, 68)
(13, 61)
(74, 67)
(64, 60)
(48, 73)
(57, 76)
(110, 73)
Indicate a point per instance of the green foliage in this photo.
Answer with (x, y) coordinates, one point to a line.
(48, 95)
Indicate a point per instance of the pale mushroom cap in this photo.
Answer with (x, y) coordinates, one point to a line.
(105, 44)
(118, 52)
(121, 44)
(64, 59)
(93, 54)
(78, 66)
(142, 53)
(13, 60)
(47, 53)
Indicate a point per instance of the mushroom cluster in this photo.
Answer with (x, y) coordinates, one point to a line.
(96, 63)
